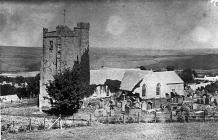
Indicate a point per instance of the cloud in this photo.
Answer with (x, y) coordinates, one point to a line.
(21, 23)
(3, 21)
(201, 34)
(116, 25)
(152, 24)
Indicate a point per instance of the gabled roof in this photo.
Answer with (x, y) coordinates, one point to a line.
(99, 77)
(131, 78)
(169, 77)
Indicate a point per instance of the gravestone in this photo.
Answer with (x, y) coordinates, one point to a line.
(144, 106)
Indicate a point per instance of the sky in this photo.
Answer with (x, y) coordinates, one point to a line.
(157, 24)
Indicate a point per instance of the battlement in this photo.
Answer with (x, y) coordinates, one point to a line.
(83, 25)
(63, 30)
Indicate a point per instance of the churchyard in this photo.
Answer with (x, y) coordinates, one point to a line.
(25, 116)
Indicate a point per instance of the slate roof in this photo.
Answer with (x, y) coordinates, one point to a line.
(99, 77)
(169, 77)
(131, 78)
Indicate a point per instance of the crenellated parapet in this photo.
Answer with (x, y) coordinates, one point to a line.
(65, 31)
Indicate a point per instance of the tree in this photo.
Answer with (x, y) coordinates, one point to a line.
(188, 75)
(19, 80)
(33, 85)
(142, 68)
(113, 85)
(67, 91)
(212, 87)
(7, 89)
(170, 68)
(22, 92)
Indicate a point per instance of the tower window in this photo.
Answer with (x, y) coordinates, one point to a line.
(143, 90)
(158, 89)
(51, 46)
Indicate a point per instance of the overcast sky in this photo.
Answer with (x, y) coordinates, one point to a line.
(158, 24)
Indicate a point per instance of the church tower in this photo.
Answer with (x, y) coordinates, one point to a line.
(61, 48)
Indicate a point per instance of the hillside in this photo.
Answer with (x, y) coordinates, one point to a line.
(28, 58)
(20, 58)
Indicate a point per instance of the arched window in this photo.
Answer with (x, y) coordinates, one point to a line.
(107, 91)
(143, 90)
(158, 89)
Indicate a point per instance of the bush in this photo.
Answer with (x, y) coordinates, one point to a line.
(114, 120)
(4, 128)
(130, 120)
(29, 127)
(66, 125)
(67, 91)
(187, 75)
(41, 126)
(113, 85)
(180, 117)
(22, 129)
(7, 89)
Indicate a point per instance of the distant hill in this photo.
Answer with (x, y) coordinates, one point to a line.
(20, 58)
(28, 58)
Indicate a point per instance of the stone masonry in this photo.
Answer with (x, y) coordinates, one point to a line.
(61, 48)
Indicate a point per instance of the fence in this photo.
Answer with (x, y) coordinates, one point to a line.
(45, 123)
(23, 124)
(156, 117)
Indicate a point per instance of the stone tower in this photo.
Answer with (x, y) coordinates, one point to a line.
(61, 48)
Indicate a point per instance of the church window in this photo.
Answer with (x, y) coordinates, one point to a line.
(143, 90)
(158, 89)
(107, 91)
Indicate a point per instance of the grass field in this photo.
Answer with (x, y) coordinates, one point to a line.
(148, 131)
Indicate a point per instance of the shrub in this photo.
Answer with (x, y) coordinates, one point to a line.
(180, 117)
(29, 127)
(130, 120)
(41, 126)
(114, 121)
(66, 125)
(3, 128)
(14, 129)
(67, 91)
(22, 129)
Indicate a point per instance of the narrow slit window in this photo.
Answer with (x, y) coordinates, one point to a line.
(51, 46)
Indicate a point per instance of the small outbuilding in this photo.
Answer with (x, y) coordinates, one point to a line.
(9, 98)
(100, 76)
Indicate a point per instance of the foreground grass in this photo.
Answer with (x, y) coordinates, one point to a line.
(150, 131)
